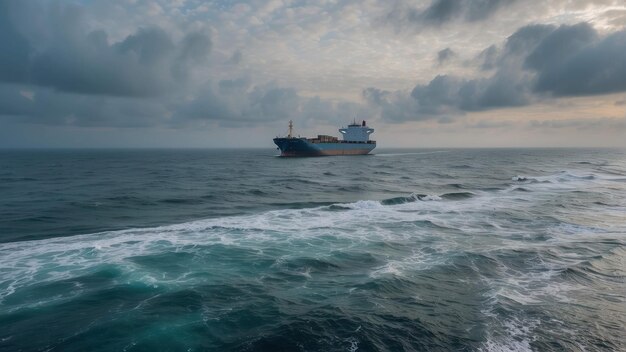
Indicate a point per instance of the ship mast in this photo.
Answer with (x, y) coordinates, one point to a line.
(290, 129)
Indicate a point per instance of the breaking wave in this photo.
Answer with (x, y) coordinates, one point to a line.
(449, 267)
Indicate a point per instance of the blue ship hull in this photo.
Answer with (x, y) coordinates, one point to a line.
(304, 147)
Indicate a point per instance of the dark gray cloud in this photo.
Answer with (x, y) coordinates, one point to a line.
(71, 58)
(445, 55)
(14, 47)
(56, 71)
(448, 96)
(441, 11)
(585, 66)
(239, 102)
(395, 106)
(404, 14)
(536, 62)
(570, 60)
(231, 103)
(557, 44)
(46, 106)
(487, 59)
(525, 39)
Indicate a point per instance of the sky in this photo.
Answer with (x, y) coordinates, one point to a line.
(225, 74)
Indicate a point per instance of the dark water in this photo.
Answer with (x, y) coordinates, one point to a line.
(465, 250)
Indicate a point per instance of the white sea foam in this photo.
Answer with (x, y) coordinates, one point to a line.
(429, 197)
(567, 176)
(391, 268)
(360, 223)
(365, 204)
(517, 337)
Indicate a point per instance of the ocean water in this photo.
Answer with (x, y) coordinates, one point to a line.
(404, 250)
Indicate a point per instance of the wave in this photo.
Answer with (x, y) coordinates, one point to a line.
(563, 176)
(17, 179)
(288, 180)
(183, 200)
(567, 176)
(301, 205)
(352, 188)
(257, 192)
(427, 197)
(565, 181)
(458, 195)
(416, 230)
(601, 163)
(401, 200)
(299, 210)
(33, 262)
(362, 269)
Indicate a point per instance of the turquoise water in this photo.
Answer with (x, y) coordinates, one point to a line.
(477, 250)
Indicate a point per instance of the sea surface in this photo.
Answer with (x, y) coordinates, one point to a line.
(240, 250)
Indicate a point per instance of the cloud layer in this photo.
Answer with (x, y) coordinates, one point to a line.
(536, 62)
(193, 65)
(74, 59)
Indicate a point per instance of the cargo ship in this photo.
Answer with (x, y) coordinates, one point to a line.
(355, 141)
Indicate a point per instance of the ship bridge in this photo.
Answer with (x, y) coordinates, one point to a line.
(356, 132)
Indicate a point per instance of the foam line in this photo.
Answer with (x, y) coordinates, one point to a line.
(359, 223)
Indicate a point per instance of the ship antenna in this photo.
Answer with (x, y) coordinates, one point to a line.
(290, 129)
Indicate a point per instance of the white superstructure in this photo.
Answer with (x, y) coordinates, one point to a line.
(356, 132)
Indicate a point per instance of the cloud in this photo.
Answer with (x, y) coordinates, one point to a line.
(555, 44)
(232, 103)
(524, 40)
(405, 15)
(236, 58)
(448, 96)
(40, 105)
(487, 59)
(583, 65)
(73, 59)
(59, 70)
(445, 55)
(571, 60)
(240, 102)
(394, 106)
(441, 11)
(54, 69)
(490, 124)
(125, 63)
(536, 62)
(15, 47)
(613, 123)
